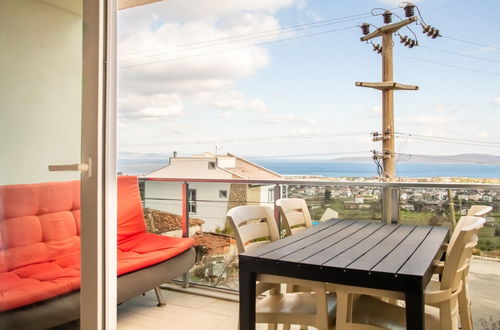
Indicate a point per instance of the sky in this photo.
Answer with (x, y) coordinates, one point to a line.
(227, 76)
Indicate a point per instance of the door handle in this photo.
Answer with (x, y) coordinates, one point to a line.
(73, 167)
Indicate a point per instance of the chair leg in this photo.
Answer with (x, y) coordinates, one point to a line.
(342, 310)
(159, 296)
(464, 309)
(322, 321)
(447, 319)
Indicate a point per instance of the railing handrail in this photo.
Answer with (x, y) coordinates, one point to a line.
(441, 185)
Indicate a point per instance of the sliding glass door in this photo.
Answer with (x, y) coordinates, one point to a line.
(57, 175)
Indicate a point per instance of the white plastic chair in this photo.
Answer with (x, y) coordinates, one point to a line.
(255, 226)
(479, 210)
(329, 214)
(441, 297)
(295, 214)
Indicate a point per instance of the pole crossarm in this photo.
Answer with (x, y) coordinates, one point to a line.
(386, 85)
(391, 28)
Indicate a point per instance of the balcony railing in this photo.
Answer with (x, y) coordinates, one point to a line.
(199, 206)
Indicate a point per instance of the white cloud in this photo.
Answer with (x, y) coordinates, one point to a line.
(427, 120)
(304, 131)
(496, 101)
(286, 118)
(376, 109)
(229, 101)
(170, 71)
(201, 10)
(277, 118)
(161, 106)
(395, 3)
(300, 4)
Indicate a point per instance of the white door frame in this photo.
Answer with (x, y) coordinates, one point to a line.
(98, 198)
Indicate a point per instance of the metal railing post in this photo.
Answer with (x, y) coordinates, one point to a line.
(185, 223)
(396, 208)
(276, 196)
(390, 205)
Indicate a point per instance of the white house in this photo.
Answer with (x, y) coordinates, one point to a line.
(208, 201)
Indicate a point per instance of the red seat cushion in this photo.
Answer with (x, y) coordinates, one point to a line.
(40, 239)
(147, 249)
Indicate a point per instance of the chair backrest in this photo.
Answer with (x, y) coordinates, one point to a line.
(460, 252)
(479, 210)
(253, 226)
(295, 214)
(329, 214)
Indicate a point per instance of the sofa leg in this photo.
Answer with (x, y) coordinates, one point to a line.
(159, 296)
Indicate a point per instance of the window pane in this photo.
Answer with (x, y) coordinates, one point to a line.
(40, 120)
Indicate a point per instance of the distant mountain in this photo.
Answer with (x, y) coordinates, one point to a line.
(430, 159)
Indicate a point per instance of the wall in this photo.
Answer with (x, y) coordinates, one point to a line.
(190, 168)
(210, 207)
(40, 89)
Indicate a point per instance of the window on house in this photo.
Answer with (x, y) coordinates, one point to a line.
(192, 201)
(270, 195)
(211, 165)
(222, 193)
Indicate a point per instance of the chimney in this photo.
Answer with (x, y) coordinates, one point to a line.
(174, 154)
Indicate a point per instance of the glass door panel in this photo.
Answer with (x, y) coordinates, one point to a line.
(40, 125)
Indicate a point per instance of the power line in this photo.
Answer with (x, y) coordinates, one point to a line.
(253, 35)
(454, 142)
(235, 48)
(448, 138)
(460, 54)
(451, 140)
(254, 139)
(449, 65)
(472, 42)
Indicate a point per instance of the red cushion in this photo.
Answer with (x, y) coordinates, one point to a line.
(130, 215)
(147, 249)
(40, 239)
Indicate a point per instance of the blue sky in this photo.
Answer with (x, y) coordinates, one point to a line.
(170, 97)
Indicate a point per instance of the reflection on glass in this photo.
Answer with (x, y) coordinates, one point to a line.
(40, 106)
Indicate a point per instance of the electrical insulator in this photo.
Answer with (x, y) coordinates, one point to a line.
(412, 43)
(403, 39)
(377, 48)
(387, 17)
(409, 10)
(431, 31)
(365, 27)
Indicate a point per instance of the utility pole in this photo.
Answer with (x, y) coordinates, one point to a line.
(390, 196)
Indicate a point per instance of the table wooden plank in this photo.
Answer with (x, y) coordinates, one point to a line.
(338, 246)
(314, 246)
(347, 257)
(418, 264)
(325, 235)
(373, 257)
(397, 257)
(297, 237)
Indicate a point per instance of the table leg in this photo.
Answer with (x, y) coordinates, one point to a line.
(247, 300)
(415, 310)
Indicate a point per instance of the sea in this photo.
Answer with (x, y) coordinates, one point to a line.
(339, 169)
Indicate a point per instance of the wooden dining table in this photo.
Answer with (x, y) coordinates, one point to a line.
(361, 253)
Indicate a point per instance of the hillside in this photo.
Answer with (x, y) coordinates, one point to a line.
(432, 159)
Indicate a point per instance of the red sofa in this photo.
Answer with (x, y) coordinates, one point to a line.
(40, 252)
